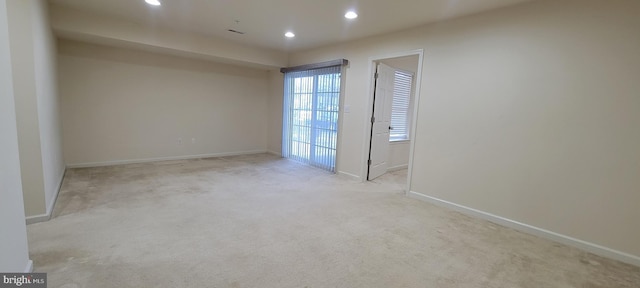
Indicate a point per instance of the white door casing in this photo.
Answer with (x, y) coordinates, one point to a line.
(381, 121)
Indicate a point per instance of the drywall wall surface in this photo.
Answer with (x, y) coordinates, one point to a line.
(528, 112)
(45, 55)
(398, 155)
(406, 63)
(120, 105)
(13, 247)
(34, 78)
(276, 97)
(26, 103)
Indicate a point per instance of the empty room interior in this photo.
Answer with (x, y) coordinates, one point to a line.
(341, 143)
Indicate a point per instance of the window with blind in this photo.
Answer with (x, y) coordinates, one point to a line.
(400, 108)
(310, 120)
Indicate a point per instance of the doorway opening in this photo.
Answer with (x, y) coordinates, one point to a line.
(392, 115)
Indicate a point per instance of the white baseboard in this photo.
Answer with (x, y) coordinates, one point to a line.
(29, 267)
(349, 176)
(52, 204)
(146, 160)
(399, 167)
(275, 153)
(580, 244)
(38, 218)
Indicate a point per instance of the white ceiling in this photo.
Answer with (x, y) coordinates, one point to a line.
(315, 22)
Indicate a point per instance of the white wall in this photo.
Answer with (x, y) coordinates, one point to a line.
(406, 63)
(23, 63)
(13, 247)
(276, 97)
(529, 113)
(123, 105)
(45, 55)
(34, 82)
(398, 157)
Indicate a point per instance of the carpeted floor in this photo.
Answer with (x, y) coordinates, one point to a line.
(262, 221)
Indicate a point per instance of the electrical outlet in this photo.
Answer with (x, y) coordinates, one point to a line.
(180, 141)
(193, 140)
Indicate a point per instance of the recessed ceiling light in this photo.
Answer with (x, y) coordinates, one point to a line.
(351, 15)
(153, 2)
(289, 34)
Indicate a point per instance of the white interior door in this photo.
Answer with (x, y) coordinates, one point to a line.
(381, 121)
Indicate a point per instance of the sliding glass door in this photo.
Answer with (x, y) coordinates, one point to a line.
(310, 120)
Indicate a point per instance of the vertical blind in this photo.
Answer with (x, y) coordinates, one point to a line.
(310, 116)
(400, 107)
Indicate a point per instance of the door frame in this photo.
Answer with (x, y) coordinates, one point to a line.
(369, 114)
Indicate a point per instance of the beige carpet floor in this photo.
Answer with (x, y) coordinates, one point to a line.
(262, 221)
